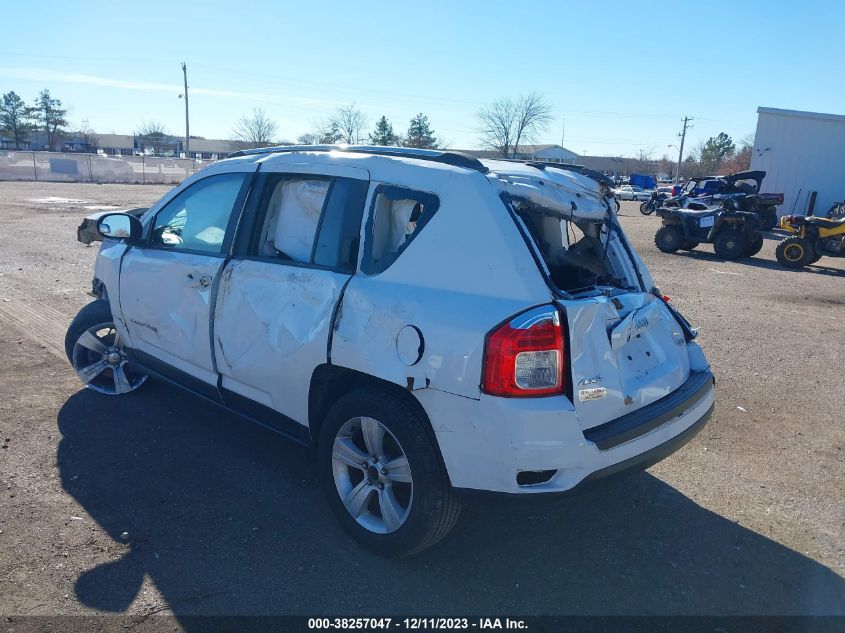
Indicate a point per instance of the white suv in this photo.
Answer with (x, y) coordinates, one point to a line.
(432, 323)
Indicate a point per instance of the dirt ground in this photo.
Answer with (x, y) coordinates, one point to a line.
(160, 503)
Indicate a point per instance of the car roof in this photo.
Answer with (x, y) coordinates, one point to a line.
(427, 158)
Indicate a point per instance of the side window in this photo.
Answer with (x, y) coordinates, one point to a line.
(310, 220)
(197, 218)
(292, 210)
(397, 216)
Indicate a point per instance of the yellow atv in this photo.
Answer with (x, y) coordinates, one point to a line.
(813, 238)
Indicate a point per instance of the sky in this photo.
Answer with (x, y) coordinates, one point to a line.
(620, 76)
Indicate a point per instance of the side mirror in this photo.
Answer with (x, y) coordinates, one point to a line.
(120, 226)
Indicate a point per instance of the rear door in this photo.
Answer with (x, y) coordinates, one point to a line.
(166, 285)
(625, 352)
(297, 248)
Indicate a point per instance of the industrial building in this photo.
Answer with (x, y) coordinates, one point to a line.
(803, 155)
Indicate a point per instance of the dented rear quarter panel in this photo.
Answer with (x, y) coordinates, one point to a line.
(465, 272)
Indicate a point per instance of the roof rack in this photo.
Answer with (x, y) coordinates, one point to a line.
(592, 174)
(456, 159)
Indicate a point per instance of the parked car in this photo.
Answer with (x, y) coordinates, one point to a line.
(629, 192)
(433, 324)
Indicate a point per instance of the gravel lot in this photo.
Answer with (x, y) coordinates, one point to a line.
(159, 503)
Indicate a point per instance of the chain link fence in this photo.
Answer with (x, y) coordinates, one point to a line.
(72, 167)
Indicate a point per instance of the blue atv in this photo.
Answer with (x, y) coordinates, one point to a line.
(732, 232)
(742, 187)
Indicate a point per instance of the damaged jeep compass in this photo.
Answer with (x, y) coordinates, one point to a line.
(431, 323)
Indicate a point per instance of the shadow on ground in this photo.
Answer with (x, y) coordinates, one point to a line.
(227, 518)
(759, 261)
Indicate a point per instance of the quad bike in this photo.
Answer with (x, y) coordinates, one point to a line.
(742, 187)
(733, 233)
(812, 239)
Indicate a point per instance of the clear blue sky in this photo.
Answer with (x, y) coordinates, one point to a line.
(621, 74)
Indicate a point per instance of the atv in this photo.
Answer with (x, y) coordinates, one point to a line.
(742, 187)
(813, 238)
(733, 233)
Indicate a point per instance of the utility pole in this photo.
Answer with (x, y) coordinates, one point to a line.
(187, 126)
(683, 136)
(562, 136)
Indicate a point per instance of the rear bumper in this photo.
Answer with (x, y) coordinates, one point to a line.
(631, 465)
(487, 443)
(638, 423)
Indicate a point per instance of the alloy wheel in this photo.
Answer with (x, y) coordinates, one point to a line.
(101, 363)
(372, 475)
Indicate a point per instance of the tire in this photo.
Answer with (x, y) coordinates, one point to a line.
(669, 239)
(646, 209)
(768, 220)
(424, 509)
(755, 246)
(730, 244)
(96, 354)
(794, 252)
(690, 246)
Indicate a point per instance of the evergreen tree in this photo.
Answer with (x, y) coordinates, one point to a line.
(715, 150)
(420, 133)
(50, 114)
(383, 133)
(14, 118)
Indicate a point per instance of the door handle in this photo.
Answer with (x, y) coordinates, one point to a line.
(204, 281)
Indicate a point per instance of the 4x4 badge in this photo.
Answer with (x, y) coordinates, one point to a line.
(589, 381)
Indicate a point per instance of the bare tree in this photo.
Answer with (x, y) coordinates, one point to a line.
(507, 122)
(256, 130)
(309, 138)
(87, 136)
(152, 128)
(347, 125)
(154, 138)
(495, 125)
(533, 115)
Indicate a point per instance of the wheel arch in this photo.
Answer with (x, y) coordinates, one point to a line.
(330, 382)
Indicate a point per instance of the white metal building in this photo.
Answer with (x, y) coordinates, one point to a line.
(801, 152)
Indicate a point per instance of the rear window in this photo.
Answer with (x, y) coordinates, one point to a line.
(397, 215)
(573, 250)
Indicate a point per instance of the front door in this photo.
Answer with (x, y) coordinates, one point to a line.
(167, 286)
(297, 249)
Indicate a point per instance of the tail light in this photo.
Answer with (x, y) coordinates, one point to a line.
(525, 356)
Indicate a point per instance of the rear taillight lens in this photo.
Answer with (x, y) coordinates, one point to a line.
(525, 357)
